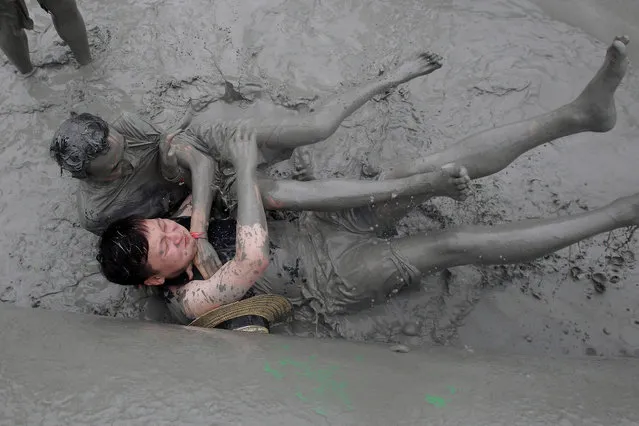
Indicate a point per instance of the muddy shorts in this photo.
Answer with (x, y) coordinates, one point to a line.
(347, 267)
(14, 16)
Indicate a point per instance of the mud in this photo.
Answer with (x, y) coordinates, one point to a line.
(279, 57)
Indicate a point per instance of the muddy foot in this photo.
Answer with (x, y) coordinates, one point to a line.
(456, 183)
(626, 210)
(421, 64)
(596, 104)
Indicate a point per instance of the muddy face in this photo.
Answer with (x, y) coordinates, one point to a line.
(171, 247)
(113, 164)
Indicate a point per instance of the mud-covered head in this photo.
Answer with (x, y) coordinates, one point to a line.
(85, 146)
(136, 251)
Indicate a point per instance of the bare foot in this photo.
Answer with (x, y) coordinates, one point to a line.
(596, 104)
(421, 64)
(626, 210)
(455, 182)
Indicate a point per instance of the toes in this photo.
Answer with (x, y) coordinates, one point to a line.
(624, 39)
(431, 58)
(619, 47)
(460, 181)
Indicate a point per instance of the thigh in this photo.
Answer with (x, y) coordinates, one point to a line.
(14, 16)
(353, 270)
(57, 6)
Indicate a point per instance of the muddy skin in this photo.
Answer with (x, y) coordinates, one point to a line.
(224, 284)
(491, 151)
(483, 154)
(67, 21)
(276, 137)
(338, 194)
(283, 59)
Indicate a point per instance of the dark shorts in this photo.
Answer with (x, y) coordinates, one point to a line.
(347, 266)
(14, 16)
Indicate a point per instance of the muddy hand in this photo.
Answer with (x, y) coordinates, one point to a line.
(168, 161)
(242, 148)
(206, 259)
(302, 166)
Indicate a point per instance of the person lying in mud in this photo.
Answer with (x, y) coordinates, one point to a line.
(67, 20)
(333, 261)
(130, 167)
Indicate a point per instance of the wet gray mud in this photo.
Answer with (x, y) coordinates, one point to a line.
(503, 61)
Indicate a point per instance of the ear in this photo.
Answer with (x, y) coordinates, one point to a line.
(154, 280)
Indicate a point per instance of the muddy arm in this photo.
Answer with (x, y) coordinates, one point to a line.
(201, 170)
(251, 259)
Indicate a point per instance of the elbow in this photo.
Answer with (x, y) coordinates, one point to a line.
(256, 263)
(259, 263)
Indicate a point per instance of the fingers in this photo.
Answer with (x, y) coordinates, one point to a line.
(189, 271)
(170, 136)
(171, 152)
(245, 133)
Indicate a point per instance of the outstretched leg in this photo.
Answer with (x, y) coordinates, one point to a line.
(13, 38)
(69, 24)
(493, 150)
(339, 194)
(486, 245)
(291, 132)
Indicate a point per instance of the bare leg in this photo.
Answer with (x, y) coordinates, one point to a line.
(503, 244)
(340, 194)
(70, 26)
(14, 44)
(493, 150)
(292, 132)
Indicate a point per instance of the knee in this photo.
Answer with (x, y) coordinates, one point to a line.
(324, 123)
(61, 8)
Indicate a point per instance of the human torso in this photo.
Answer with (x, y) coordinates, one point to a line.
(286, 272)
(144, 192)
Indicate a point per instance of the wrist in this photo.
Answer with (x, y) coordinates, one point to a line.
(245, 167)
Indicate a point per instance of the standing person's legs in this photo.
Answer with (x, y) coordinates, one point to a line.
(69, 24)
(14, 19)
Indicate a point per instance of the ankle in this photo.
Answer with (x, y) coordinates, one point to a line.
(622, 213)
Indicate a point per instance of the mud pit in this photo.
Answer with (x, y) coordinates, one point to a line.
(503, 61)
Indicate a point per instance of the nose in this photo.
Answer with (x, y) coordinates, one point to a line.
(176, 237)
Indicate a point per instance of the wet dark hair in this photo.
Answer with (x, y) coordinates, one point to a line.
(79, 140)
(124, 252)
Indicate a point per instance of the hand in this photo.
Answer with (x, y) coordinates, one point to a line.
(169, 166)
(242, 148)
(168, 160)
(302, 165)
(206, 259)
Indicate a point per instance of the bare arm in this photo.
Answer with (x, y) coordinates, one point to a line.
(251, 259)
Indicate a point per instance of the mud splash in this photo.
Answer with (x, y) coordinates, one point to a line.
(265, 57)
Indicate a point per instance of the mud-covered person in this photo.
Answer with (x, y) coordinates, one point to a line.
(334, 261)
(129, 166)
(316, 261)
(67, 20)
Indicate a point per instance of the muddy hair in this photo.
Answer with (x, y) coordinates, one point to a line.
(79, 139)
(123, 252)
